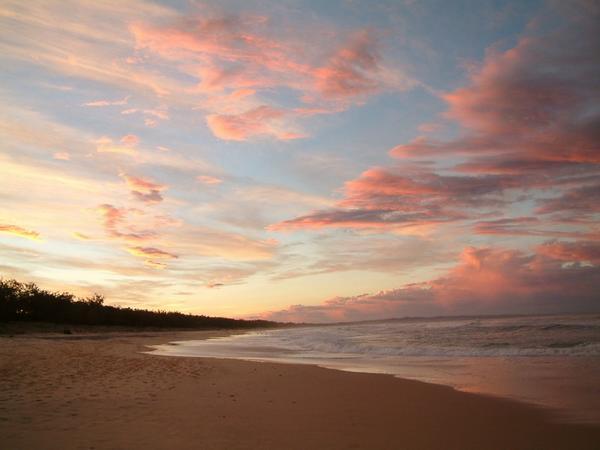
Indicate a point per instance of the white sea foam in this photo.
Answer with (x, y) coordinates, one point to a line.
(550, 360)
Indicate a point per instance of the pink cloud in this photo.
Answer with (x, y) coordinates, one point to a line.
(530, 132)
(348, 73)
(229, 52)
(362, 219)
(143, 189)
(356, 219)
(259, 121)
(235, 58)
(115, 221)
(394, 199)
(112, 216)
(130, 140)
(578, 251)
(531, 102)
(379, 187)
(486, 280)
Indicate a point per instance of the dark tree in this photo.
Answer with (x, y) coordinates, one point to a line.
(27, 302)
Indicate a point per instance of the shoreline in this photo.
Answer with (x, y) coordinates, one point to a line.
(106, 392)
(520, 379)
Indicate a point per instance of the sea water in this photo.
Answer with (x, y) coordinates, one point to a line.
(552, 361)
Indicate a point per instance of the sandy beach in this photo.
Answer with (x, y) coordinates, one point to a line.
(99, 391)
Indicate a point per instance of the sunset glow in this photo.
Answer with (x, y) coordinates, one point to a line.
(304, 161)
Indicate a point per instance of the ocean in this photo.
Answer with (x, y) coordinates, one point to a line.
(550, 361)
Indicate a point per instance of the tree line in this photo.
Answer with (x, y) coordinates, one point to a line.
(28, 302)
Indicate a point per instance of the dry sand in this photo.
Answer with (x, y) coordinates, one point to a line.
(101, 392)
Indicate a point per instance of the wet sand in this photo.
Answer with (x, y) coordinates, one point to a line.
(98, 391)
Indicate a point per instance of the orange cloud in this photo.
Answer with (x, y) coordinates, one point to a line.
(16, 230)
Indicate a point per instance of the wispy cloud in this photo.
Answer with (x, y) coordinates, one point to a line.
(81, 236)
(530, 226)
(150, 252)
(119, 102)
(16, 230)
(209, 179)
(62, 156)
(126, 146)
(151, 116)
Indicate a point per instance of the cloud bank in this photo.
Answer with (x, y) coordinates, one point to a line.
(485, 281)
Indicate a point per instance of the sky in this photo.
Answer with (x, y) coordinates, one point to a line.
(304, 160)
